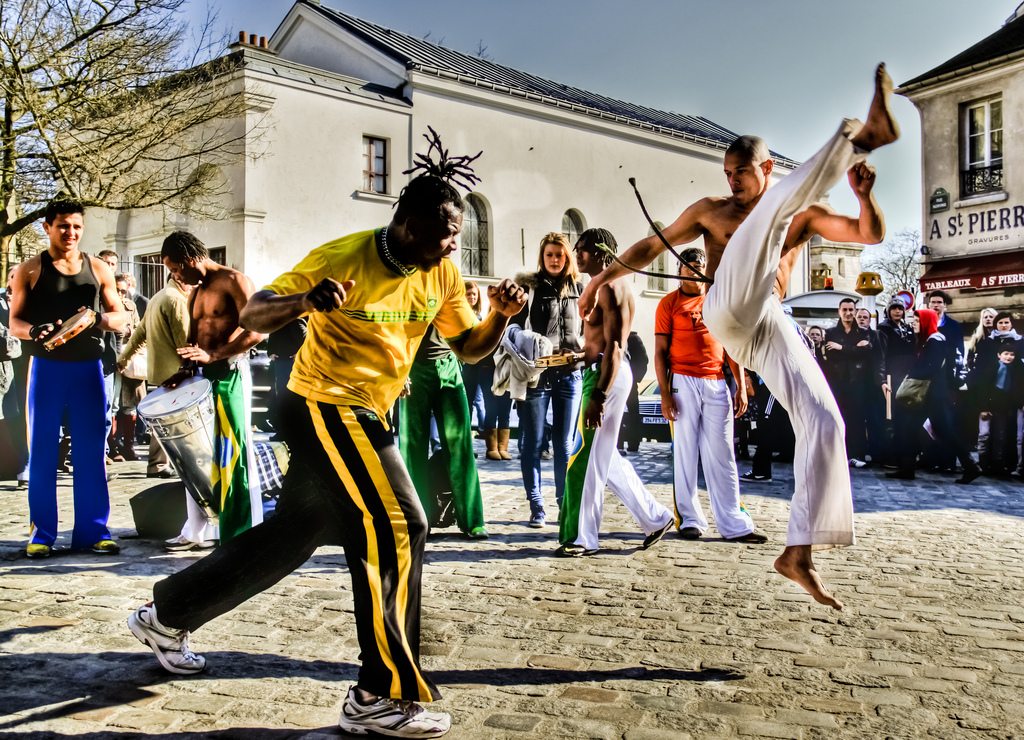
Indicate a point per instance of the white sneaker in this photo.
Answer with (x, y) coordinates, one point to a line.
(855, 463)
(391, 717)
(169, 646)
(181, 544)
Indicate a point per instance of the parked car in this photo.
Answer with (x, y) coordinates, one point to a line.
(262, 389)
(653, 425)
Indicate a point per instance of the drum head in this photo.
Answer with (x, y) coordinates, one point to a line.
(164, 401)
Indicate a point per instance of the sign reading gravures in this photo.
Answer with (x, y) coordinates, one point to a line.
(985, 226)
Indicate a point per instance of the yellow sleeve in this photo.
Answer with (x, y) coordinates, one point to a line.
(313, 268)
(455, 316)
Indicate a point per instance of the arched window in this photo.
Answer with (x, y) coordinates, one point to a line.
(474, 237)
(573, 225)
(661, 264)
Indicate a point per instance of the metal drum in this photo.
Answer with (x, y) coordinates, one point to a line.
(183, 420)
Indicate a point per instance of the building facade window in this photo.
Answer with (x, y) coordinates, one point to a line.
(573, 224)
(375, 165)
(152, 275)
(474, 239)
(660, 264)
(982, 130)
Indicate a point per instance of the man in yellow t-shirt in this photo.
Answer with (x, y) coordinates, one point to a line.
(370, 298)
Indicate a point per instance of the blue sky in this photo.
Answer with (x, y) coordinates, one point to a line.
(787, 70)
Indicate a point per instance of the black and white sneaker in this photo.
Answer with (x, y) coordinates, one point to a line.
(391, 717)
(751, 477)
(170, 646)
(654, 537)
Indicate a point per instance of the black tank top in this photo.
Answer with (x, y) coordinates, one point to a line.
(57, 296)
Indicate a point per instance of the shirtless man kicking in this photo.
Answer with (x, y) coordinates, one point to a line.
(218, 348)
(593, 458)
(764, 228)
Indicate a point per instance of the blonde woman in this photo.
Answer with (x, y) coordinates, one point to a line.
(554, 290)
(493, 418)
(986, 322)
(471, 373)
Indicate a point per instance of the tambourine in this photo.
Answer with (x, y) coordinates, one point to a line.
(569, 358)
(70, 329)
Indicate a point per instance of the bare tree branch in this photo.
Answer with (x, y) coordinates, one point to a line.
(112, 101)
(896, 261)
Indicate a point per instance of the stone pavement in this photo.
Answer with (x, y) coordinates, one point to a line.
(688, 639)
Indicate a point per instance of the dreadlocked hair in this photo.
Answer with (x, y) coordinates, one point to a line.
(433, 186)
(591, 238)
(183, 246)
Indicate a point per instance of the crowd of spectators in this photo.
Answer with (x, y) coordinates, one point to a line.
(967, 421)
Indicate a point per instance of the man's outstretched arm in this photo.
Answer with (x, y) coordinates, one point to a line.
(266, 311)
(867, 228)
(506, 299)
(683, 230)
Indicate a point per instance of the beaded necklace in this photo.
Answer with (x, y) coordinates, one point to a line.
(389, 259)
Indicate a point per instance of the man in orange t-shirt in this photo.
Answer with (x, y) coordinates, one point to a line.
(696, 400)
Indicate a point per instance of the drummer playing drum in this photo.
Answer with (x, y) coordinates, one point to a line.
(66, 377)
(219, 348)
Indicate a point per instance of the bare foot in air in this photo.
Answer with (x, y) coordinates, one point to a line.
(795, 563)
(880, 128)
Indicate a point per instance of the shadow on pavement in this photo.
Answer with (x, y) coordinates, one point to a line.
(110, 679)
(241, 733)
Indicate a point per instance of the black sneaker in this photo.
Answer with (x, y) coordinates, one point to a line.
(969, 475)
(750, 538)
(689, 533)
(656, 535)
(751, 477)
(574, 551)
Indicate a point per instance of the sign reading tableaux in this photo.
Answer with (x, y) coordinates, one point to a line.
(985, 226)
(981, 280)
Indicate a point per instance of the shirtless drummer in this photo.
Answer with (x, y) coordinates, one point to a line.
(219, 349)
(764, 228)
(593, 459)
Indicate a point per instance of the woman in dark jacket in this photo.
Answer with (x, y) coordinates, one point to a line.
(930, 365)
(553, 293)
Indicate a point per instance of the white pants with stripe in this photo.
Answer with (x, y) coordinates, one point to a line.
(607, 467)
(703, 428)
(744, 315)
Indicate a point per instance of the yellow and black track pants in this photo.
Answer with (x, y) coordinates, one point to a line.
(346, 484)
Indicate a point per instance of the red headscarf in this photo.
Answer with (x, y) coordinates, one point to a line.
(929, 323)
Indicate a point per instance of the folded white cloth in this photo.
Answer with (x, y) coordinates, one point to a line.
(515, 369)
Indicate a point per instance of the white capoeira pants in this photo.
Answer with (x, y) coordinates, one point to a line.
(197, 527)
(703, 428)
(594, 462)
(744, 315)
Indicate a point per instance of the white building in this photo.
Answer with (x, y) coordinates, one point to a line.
(342, 105)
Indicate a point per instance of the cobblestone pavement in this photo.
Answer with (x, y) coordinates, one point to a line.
(687, 639)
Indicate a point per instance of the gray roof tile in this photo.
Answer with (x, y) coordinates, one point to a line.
(421, 55)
